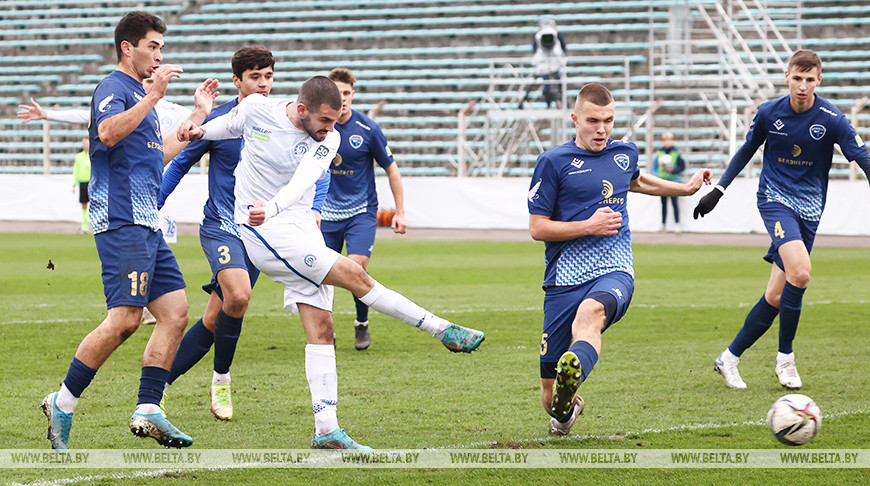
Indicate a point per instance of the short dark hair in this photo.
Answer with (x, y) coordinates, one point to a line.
(595, 94)
(805, 60)
(342, 75)
(134, 26)
(252, 57)
(319, 90)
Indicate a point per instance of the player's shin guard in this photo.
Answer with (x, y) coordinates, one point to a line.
(226, 334)
(194, 346)
(758, 321)
(323, 383)
(151, 385)
(789, 315)
(398, 306)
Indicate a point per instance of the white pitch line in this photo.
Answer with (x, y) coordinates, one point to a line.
(474, 445)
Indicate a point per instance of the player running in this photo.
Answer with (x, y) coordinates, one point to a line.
(351, 206)
(287, 146)
(577, 205)
(799, 131)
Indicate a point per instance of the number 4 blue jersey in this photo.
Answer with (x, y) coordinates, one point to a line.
(798, 149)
(570, 184)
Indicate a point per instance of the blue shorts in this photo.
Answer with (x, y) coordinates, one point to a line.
(614, 290)
(223, 250)
(358, 231)
(138, 266)
(783, 225)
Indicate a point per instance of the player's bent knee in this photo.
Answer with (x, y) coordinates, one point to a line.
(236, 302)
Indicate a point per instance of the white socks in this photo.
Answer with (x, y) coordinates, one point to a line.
(396, 305)
(65, 401)
(323, 383)
(220, 378)
(147, 408)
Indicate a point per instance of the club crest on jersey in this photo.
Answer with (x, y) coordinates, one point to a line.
(795, 151)
(818, 131)
(621, 160)
(356, 141)
(301, 148)
(321, 152)
(310, 260)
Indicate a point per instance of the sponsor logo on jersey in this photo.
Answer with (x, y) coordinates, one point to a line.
(105, 103)
(321, 152)
(337, 160)
(617, 291)
(356, 141)
(260, 134)
(607, 192)
(827, 111)
(533, 192)
(577, 163)
(795, 151)
(388, 151)
(818, 131)
(310, 260)
(137, 96)
(608, 189)
(858, 140)
(366, 127)
(778, 124)
(300, 149)
(621, 160)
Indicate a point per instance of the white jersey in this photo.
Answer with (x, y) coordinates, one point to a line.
(272, 149)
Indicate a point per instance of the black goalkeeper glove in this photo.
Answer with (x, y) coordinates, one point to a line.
(708, 202)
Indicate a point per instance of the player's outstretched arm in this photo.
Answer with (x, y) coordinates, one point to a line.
(655, 186)
(605, 221)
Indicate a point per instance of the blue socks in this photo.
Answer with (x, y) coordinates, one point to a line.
(226, 334)
(194, 345)
(587, 356)
(362, 310)
(789, 315)
(78, 377)
(151, 384)
(758, 321)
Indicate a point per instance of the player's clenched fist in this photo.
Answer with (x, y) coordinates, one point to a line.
(604, 221)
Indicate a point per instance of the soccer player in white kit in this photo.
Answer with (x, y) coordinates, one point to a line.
(288, 146)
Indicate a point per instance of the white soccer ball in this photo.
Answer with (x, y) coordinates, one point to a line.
(794, 419)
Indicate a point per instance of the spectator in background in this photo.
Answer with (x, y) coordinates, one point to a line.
(548, 56)
(668, 164)
(81, 176)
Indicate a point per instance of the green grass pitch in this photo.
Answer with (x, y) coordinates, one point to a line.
(652, 388)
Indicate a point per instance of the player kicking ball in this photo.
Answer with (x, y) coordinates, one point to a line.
(288, 146)
(798, 131)
(577, 205)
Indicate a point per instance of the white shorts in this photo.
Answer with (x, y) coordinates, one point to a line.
(293, 254)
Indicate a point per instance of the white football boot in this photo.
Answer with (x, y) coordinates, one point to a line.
(726, 365)
(560, 428)
(787, 372)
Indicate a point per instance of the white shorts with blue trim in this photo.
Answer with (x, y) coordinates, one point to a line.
(294, 255)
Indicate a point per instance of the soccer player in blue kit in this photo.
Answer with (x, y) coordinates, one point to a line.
(351, 206)
(138, 268)
(799, 131)
(577, 205)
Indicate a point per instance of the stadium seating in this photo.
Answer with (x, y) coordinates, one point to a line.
(427, 59)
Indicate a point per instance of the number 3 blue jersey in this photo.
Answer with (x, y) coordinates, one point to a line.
(125, 178)
(570, 184)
